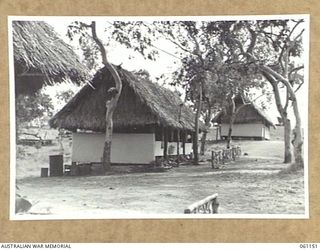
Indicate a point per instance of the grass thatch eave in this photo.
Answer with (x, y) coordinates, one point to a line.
(41, 54)
(266, 118)
(250, 113)
(162, 102)
(141, 103)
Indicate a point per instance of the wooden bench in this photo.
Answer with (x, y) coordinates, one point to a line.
(208, 205)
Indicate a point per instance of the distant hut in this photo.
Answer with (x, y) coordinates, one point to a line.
(41, 57)
(251, 122)
(147, 121)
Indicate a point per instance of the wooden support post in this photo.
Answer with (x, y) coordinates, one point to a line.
(212, 159)
(223, 156)
(193, 143)
(184, 135)
(165, 144)
(171, 135)
(162, 137)
(220, 157)
(233, 153)
(217, 131)
(178, 147)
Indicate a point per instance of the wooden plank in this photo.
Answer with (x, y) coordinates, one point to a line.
(209, 203)
(178, 147)
(212, 159)
(184, 135)
(165, 144)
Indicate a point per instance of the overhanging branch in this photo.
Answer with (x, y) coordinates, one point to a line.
(108, 65)
(99, 43)
(280, 78)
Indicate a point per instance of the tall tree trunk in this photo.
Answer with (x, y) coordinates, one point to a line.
(203, 142)
(297, 133)
(297, 136)
(196, 135)
(110, 104)
(283, 113)
(106, 158)
(287, 142)
(178, 147)
(229, 138)
(233, 111)
(204, 133)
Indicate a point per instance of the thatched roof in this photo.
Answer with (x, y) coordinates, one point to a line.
(249, 113)
(142, 103)
(40, 56)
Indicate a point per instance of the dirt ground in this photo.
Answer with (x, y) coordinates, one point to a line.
(254, 184)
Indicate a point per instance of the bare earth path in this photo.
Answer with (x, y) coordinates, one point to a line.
(251, 185)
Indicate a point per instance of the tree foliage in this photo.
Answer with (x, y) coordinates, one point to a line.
(87, 33)
(30, 107)
(210, 73)
(273, 48)
(219, 59)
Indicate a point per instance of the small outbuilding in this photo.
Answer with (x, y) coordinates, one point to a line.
(251, 122)
(148, 122)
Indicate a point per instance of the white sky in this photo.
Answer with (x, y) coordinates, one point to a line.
(118, 54)
(165, 64)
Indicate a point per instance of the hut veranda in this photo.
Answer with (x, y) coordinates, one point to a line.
(147, 123)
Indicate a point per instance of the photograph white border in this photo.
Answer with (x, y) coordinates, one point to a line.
(13, 216)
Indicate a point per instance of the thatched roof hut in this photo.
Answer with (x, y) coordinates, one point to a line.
(142, 104)
(40, 57)
(250, 122)
(249, 113)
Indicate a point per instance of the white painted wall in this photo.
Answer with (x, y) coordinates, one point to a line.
(266, 132)
(159, 150)
(126, 148)
(248, 130)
